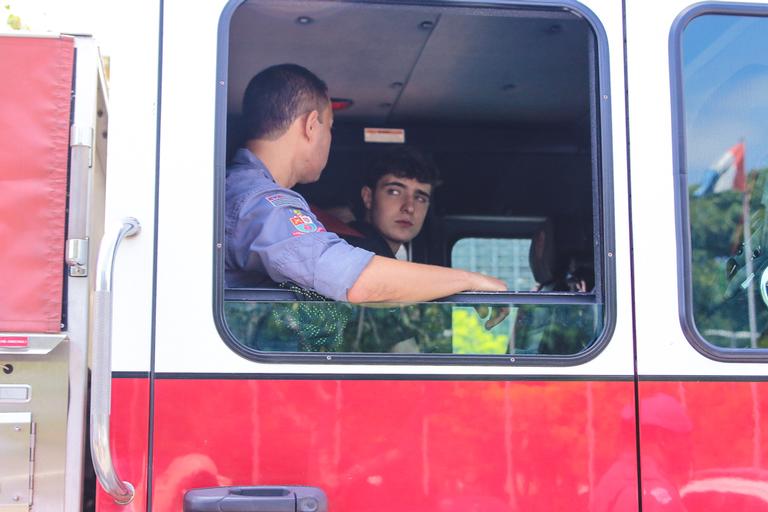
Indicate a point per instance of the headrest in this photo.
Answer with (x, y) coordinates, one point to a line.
(542, 255)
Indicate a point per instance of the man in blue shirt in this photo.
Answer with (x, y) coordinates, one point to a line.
(271, 234)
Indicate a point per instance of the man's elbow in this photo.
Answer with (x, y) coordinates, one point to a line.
(367, 289)
(358, 294)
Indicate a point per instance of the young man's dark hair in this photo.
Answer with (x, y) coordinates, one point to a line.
(277, 96)
(403, 162)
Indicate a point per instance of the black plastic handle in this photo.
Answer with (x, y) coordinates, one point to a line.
(256, 499)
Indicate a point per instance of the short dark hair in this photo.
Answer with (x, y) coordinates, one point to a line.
(403, 162)
(276, 96)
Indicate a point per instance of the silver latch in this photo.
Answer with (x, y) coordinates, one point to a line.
(77, 257)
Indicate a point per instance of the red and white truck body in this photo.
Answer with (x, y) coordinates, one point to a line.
(187, 409)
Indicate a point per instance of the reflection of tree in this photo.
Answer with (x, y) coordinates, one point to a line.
(720, 305)
(471, 337)
(436, 328)
(556, 329)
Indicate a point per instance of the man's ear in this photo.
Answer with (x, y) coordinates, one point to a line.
(367, 196)
(311, 123)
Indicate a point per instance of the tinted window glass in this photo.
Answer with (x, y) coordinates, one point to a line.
(517, 152)
(432, 328)
(725, 98)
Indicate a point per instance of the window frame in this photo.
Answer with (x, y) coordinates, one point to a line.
(679, 164)
(602, 204)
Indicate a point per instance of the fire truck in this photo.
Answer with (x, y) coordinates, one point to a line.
(608, 160)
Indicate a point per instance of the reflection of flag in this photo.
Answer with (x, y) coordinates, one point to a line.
(725, 174)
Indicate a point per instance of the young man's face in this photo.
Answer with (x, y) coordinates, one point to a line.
(397, 208)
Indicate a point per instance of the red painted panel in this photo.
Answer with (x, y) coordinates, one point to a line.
(704, 446)
(400, 445)
(130, 436)
(36, 92)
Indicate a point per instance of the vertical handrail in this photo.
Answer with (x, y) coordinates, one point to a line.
(101, 373)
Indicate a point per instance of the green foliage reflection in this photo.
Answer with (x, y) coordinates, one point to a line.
(719, 279)
(437, 328)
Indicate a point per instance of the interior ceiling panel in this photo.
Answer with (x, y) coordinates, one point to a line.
(500, 69)
(470, 65)
(359, 51)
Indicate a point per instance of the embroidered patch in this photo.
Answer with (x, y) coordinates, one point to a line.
(303, 224)
(277, 200)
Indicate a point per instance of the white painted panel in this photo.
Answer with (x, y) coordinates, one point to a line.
(131, 178)
(662, 347)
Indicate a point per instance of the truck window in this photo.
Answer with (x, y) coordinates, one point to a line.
(723, 102)
(506, 103)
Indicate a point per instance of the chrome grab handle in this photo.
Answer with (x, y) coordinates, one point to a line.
(101, 373)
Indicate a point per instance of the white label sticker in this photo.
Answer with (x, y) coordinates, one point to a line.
(389, 135)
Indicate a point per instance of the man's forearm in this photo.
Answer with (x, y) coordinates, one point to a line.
(389, 280)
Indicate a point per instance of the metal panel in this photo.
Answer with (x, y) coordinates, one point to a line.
(44, 379)
(15, 452)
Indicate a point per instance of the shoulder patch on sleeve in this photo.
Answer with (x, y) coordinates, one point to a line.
(278, 200)
(303, 224)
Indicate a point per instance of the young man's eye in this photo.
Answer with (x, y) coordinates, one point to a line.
(393, 191)
(422, 199)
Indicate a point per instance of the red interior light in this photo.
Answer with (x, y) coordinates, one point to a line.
(341, 104)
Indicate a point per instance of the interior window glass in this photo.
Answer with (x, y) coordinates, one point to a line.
(517, 146)
(725, 97)
(506, 259)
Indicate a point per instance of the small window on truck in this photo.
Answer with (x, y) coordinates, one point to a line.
(522, 157)
(720, 66)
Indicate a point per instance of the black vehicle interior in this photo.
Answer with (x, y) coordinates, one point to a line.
(501, 98)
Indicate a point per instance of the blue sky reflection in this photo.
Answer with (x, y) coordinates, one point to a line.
(725, 89)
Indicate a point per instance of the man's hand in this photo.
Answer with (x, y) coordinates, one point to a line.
(484, 283)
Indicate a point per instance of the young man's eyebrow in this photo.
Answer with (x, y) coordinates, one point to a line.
(393, 183)
(400, 184)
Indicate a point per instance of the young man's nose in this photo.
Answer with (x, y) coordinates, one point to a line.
(408, 205)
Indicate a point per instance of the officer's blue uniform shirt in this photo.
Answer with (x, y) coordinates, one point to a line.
(273, 237)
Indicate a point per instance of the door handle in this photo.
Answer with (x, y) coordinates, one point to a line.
(256, 499)
(101, 374)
